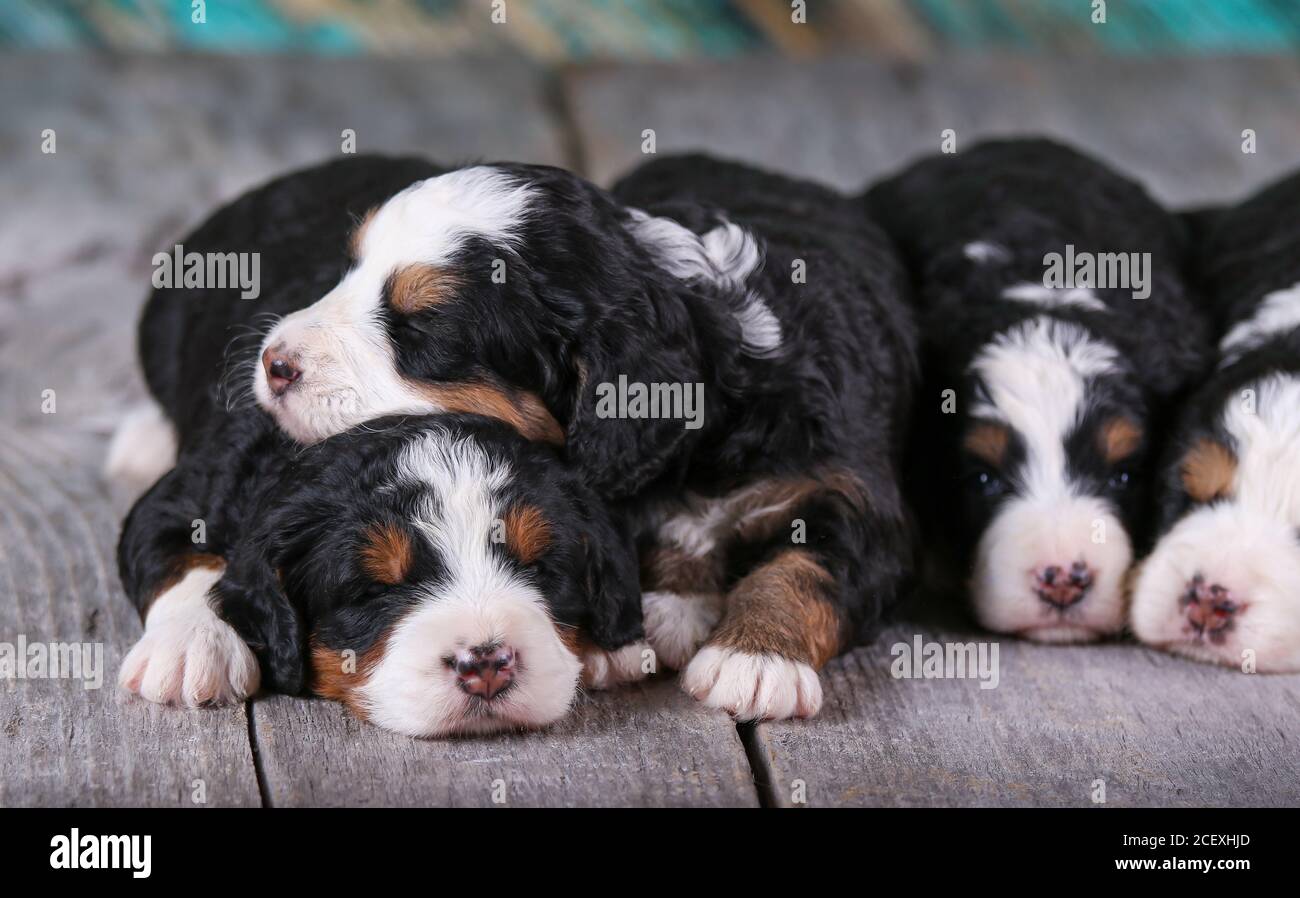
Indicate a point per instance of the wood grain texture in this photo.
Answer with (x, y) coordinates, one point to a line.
(640, 746)
(1174, 123)
(1157, 730)
(62, 743)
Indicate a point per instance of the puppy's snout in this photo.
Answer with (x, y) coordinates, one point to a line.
(280, 369)
(486, 670)
(1209, 608)
(1062, 587)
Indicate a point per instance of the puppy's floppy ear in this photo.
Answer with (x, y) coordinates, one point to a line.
(252, 599)
(622, 454)
(610, 576)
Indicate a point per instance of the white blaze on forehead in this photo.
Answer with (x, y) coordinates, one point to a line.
(428, 221)
(1278, 313)
(1266, 436)
(477, 600)
(1035, 377)
(462, 505)
(1054, 297)
(727, 256)
(339, 343)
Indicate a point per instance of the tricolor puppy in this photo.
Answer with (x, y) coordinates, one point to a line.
(726, 354)
(1056, 326)
(1223, 582)
(438, 575)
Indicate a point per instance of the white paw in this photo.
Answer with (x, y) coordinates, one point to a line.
(604, 670)
(753, 687)
(189, 656)
(677, 625)
(142, 450)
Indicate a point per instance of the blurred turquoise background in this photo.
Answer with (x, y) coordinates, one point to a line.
(587, 30)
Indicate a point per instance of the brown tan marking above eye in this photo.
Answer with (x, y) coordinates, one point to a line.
(359, 233)
(525, 412)
(386, 554)
(988, 442)
(1208, 470)
(418, 287)
(528, 534)
(1120, 437)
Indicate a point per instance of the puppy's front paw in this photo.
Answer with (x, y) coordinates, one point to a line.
(605, 670)
(753, 687)
(189, 656)
(677, 625)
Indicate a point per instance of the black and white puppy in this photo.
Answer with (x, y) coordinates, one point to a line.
(1223, 582)
(786, 538)
(444, 574)
(1034, 440)
(439, 575)
(527, 294)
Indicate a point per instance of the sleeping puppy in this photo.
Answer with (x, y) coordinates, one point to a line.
(762, 324)
(438, 575)
(1222, 582)
(788, 537)
(1034, 441)
(364, 531)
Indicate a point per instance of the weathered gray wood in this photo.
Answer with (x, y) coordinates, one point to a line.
(1174, 123)
(147, 146)
(646, 745)
(1157, 730)
(62, 743)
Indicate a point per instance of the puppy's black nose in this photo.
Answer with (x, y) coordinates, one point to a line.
(280, 372)
(1210, 609)
(1062, 587)
(485, 670)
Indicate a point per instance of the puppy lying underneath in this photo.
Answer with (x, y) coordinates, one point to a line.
(1223, 582)
(438, 575)
(1034, 437)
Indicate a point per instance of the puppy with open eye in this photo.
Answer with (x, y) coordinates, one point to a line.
(439, 575)
(1041, 399)
(761, 320)
(1223, 582)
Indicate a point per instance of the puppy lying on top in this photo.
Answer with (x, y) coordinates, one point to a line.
(770, 509)
(1042, 394)
(438, 574)
(1223, 583)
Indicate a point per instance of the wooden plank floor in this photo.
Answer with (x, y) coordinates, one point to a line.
(147, 146)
